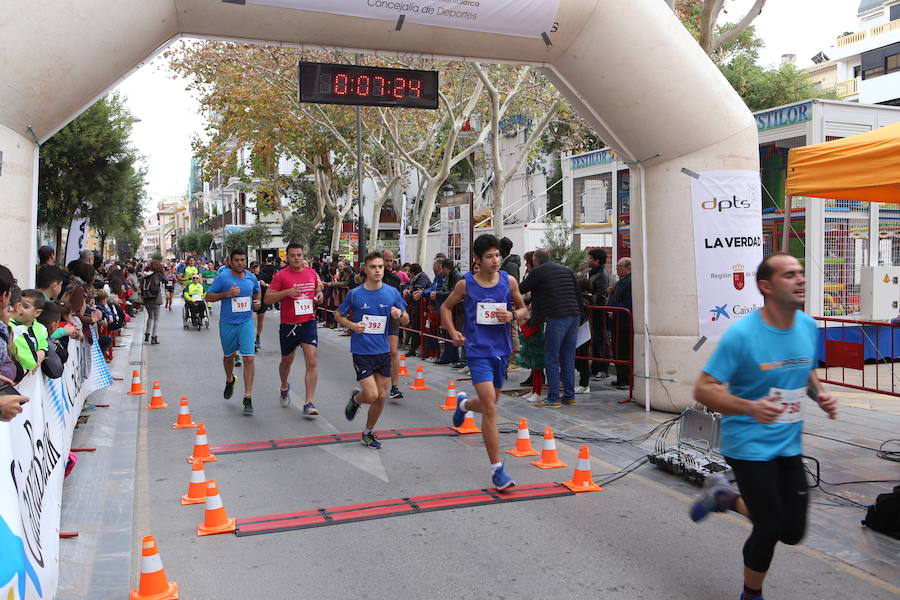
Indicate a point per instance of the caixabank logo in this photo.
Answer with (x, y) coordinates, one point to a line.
(15, 566)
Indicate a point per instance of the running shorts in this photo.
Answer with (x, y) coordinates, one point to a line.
(292, 335)
(393, 326)
(488, 369)
(238, 337)
(367, 365)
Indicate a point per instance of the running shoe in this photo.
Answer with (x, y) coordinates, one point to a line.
(256, 345)
(352, 406)
(548, 404)
(396, 394)
(744, 596)
(717, 496)
(458, 365)
(286, 396)
(501, 480)
(248, 406)
(88, 409)
(310, 409)
(582, 389)
(369, 439)
(237, 361)
(459, 415)
(600, 376)
(229, 387)
(532, 397)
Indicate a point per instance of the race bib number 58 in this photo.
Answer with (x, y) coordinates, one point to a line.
(487, 313)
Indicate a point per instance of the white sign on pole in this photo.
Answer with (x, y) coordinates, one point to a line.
(524, 18)
(402, 248)
(78, 233)
(728, 247)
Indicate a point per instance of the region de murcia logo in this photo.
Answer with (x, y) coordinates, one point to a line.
(738, 276)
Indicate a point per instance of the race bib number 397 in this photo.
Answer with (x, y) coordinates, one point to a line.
(240, 304)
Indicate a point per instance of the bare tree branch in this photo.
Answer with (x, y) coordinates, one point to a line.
(732, 34)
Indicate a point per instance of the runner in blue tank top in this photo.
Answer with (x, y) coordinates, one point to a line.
(488, 297)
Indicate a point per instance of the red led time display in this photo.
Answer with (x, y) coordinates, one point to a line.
(327, 83)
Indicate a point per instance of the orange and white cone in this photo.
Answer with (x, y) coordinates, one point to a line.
(549, 459)
(201, 448)
(153, 584)
(419, 383)
(523, 441)
(450, 400)
(156, 400)
(468, 425)
(583, 480)
(403, 372)
(197, 487)
(215, 519)
(136, 388)
(184, 415)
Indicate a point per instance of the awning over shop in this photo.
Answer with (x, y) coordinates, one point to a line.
(864, 167)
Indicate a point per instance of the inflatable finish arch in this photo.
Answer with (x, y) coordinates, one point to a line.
(627, 65)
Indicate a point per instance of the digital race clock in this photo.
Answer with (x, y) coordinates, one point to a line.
(327, 83)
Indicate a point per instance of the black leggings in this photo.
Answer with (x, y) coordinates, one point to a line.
(777, 497)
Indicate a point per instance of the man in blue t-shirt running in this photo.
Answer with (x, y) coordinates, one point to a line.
(371, 305)
(768, 360)
(239, 289)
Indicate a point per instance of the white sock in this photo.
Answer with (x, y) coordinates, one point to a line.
(496, 466)
(367, 431)
(462, 403)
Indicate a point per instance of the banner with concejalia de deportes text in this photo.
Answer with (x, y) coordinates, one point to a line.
(34, 447)
(728, 246)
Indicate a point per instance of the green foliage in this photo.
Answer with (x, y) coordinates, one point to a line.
(204, 240)
(156, 256)
(763, 88)
(560, 242)
(235, 240)
(188, 242)
(257, 235)
(297, 229)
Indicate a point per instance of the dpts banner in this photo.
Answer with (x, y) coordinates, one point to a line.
(34, 447)
(728, 247)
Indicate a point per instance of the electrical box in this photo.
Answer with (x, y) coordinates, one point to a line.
(879, 293)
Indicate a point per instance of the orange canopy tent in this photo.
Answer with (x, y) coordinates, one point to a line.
(864, 167)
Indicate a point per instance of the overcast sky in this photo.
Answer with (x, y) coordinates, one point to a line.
(169, 116)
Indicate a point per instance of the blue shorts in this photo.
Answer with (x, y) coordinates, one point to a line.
(367, 365)
(238, 336)
(488, 369)
(292, 335)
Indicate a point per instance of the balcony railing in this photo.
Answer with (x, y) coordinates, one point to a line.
(848, 88)
(875, 31)
(218, 222)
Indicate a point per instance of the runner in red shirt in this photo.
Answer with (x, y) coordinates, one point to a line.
(299, 289)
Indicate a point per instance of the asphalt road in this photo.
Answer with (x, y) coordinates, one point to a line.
(631, 541)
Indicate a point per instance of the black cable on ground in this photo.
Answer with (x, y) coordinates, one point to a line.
(880, 452)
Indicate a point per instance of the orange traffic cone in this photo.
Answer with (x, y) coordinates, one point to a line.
(153, 584)
(523, 441)
(403, 372)
(215, 519)
(197, 487)
(419, 383)
(468, 425)
(201, 447)
(549, 459)
(184, 415)
(136, 388)
(450, 400)
(582, 480)
(156, 400)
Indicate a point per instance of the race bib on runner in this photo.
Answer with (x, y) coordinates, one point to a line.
(196, 297)
(487, 313)
(209, 281)
(240, 304)
(303, 306)
(374, 324)
(792, 401)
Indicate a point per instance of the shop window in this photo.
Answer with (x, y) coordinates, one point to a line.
(892, 63)
(593, 199)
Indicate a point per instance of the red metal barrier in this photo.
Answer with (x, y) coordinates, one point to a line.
(599, 319)
(860, 352)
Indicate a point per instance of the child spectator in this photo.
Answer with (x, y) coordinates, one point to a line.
(9, 295)
(29, 336)
(101, 299)
(56, 356)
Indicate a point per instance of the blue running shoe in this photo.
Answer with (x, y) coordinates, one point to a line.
(459, 415)
(501, 480)
(285, 396)
(369, 439)
(310, 409)
(717, 496)
(744, 596)
(352, 406)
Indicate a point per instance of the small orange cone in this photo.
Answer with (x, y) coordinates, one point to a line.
(153, 583)
(215, 519)
(197, 487)
(549, 459)
(582, 480)
(184, 415)
(201, 448)
(468, 425)
(523, 441)
(136, 388)
(156, 400)
(450, 400)
(403, 372)
(419, 383)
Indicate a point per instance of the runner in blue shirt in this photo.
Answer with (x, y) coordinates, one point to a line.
(240, 291)
(371, 307)
(488, 297)
(768, 360)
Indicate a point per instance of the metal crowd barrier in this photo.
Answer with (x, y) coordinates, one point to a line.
(858, 354)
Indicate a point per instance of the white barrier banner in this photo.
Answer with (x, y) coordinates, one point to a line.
(77, 241)
(728, 247)
(34, 447)
(524, 18)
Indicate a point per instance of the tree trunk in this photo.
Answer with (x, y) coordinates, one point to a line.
(60, 251)
(425, 220)
(337, 220)
(497, 191)
(376, 220)
(103, 237)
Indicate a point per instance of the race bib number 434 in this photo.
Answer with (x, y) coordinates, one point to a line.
(303, 306)
(374, 324)
(487, 313)
(792, 402)
(240, 304)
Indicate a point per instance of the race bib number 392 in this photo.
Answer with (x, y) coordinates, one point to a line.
(374, 324)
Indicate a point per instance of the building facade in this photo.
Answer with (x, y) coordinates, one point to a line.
(868, 60)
